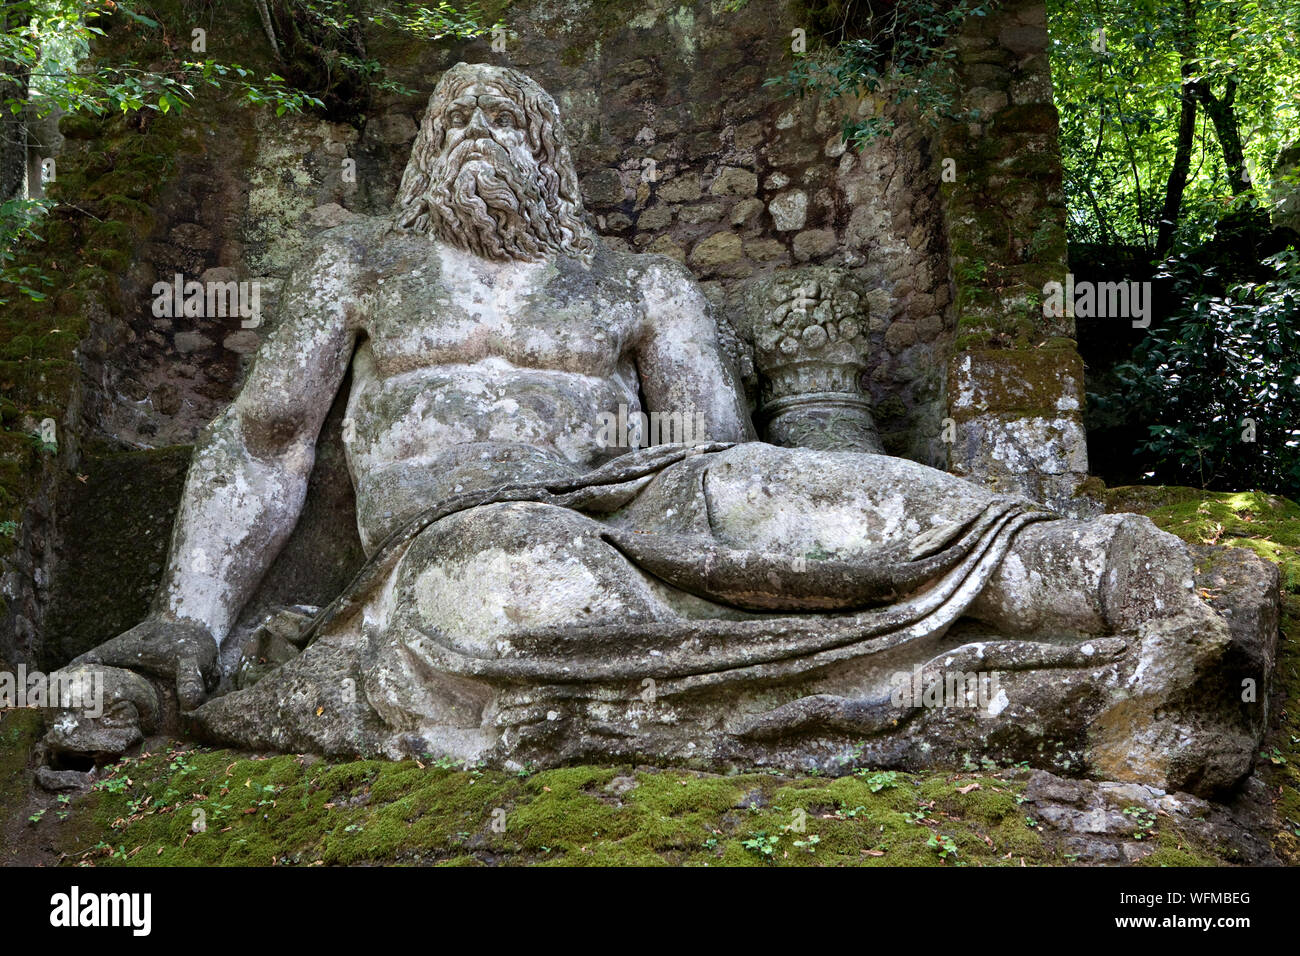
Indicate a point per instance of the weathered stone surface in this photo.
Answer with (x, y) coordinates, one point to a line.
(536, 590)
(813, 244)
(716, 250)
(1019, 424)
(789, 210)
(1109, 823)
(681, 189)
(734, 181)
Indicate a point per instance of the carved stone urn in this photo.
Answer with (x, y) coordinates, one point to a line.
(809, 329)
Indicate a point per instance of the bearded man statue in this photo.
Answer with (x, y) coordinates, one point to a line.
(535, 593)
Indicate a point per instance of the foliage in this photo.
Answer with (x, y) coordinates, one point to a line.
(1120, 72)
(47, 64)
(902, 54)
(47, 44)
(1221, 380)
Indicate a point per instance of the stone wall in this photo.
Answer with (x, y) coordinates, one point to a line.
(1016, 388)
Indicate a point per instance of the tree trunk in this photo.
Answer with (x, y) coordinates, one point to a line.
(1177, 183)
(1224, 118)
(13, 128)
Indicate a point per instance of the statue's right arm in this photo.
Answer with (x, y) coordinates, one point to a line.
(248, 477)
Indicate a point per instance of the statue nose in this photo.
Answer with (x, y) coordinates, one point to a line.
(477, 126)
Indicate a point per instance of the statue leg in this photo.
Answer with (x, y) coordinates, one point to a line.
(1062, 577)
(1103, 576)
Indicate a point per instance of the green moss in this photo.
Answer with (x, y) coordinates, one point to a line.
(19, 732)
(297, 811)
(1267, 524)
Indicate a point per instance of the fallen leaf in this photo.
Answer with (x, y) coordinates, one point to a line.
(968, 788)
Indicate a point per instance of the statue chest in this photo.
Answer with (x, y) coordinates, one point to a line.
(410, 329)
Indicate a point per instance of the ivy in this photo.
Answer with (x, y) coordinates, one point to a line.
(903, 54)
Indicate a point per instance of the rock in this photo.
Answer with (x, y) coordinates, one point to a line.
(716, 250)
(764, 250)
(191, 342)
(1023, 40)
(748, 135)
(667, 246)
(621, 785)
(813, 243)
(329, 215)
(684, 188)
(734, 181)
(117, 707)
(604, 187)
(900, 335)
(746, 211)
(63, 781)
(656, 217)
(707, 212)
(789, 210)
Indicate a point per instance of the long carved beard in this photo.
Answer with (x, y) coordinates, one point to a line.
(488, 200)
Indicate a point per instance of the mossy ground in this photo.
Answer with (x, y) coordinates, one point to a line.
(293, 810)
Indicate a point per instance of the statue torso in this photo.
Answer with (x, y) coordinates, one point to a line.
(472, 373)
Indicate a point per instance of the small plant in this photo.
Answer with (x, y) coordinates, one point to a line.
(809, 845)
(1276, 757)
(36, 817)
(879, 780)
(1145, 820)
(180, 762)
(761, 843)
(942, 844)
(112, 785)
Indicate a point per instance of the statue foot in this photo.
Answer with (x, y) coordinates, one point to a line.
(139, 683)
(103, 712)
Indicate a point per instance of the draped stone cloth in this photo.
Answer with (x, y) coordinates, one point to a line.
(943, 571)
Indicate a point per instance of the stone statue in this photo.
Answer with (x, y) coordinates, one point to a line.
(535, 593)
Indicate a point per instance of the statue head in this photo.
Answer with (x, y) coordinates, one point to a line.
(490, 170)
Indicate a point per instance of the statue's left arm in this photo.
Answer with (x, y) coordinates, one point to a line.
(679, 359)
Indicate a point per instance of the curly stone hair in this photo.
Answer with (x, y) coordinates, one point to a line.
(516, 217)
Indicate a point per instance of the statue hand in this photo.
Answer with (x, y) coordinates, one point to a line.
(180, 654)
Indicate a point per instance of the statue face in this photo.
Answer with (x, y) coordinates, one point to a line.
(490, 172)
(483, 112)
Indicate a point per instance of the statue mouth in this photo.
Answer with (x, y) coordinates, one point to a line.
(482, 150)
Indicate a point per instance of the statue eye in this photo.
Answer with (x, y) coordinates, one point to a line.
(505, 120)
(456, 119)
